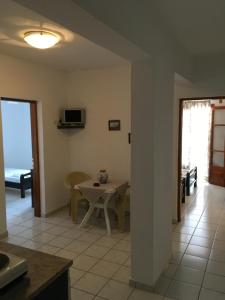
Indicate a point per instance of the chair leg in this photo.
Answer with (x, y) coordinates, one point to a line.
(98, 213)
(88, 215)
(107, 221)
(70, 207)
(121, 219)
(74, 209)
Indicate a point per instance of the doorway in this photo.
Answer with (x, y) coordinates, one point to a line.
(196, 146)
(21, 155)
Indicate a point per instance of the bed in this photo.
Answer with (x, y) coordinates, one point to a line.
(19, 179)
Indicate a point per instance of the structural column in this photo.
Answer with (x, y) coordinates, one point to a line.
(151, 171)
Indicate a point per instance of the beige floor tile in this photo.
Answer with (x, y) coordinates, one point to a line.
(198, 251)
(57, 230)
(16, 229)
(200, 241)
(16, 240)
(118, 235)
(215, 267)
(185, 229)
(114, 290)
(48, 249)
(84, 262)
(96, 251)
(107, 242)
(181, 237)
(91, 283)
(104, 268)
(188, 275)
(219, 245)
(170, 270)
(89, 237)
(214, 282)
(43, 226)
(218, 255)
(142, 295)
(123, 275)
(29, 233)
(176, 258)
(75, 275)
(43, 237)
(194, 262)
(183, 291)
(80, 295)
(127, 263)
(77, 246)
(211, 295)
(122, 246)
(205, 233)
(67, 254)
(162, 285)
(60, 242)
(73, 233)
(32, 245)
(116, 256)
(179, 247)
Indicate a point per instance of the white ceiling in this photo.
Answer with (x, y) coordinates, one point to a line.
(72, 52)
(198, 24)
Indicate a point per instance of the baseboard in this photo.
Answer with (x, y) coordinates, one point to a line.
(54, 211)
(4, 235)
(141, 286)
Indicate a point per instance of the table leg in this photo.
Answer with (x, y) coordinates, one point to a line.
(107, 221)
(88, 214)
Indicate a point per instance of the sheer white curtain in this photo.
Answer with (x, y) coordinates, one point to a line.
(196, 135)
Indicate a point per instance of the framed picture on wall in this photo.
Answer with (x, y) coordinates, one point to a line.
(114, 124)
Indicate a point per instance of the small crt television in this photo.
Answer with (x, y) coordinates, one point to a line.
(73, 116)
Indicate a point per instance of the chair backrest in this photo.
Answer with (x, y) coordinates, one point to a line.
(121, 191)
(75, 178)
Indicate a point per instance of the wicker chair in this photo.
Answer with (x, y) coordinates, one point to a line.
(76, 197)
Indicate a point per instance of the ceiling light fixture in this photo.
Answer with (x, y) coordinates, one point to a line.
(41, 39)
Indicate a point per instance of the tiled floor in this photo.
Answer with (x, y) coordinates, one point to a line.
(101, 267)
(197, 268)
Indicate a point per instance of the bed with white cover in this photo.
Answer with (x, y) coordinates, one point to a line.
(18, 179)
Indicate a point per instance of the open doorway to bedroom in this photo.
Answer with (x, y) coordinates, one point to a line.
(201, 147)
(21, 162)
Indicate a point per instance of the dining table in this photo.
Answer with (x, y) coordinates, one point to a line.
(111, 194)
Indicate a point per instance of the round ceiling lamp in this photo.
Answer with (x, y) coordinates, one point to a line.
(41, 39)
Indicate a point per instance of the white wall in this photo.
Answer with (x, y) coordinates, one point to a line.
(23, 80)
(16, 135)
(105, 94)
(151, 180)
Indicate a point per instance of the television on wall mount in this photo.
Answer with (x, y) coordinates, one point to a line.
(73, 118)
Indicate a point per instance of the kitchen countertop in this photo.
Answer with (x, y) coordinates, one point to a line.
(43, 269)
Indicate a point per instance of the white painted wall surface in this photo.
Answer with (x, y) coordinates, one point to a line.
(16, 135)
(151, 179)
(22, 80)
(105, 94)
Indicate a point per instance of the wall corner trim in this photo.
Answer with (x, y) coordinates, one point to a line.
(141, 286)
(4, 235)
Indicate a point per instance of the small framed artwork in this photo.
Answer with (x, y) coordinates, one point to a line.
(114, 124)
